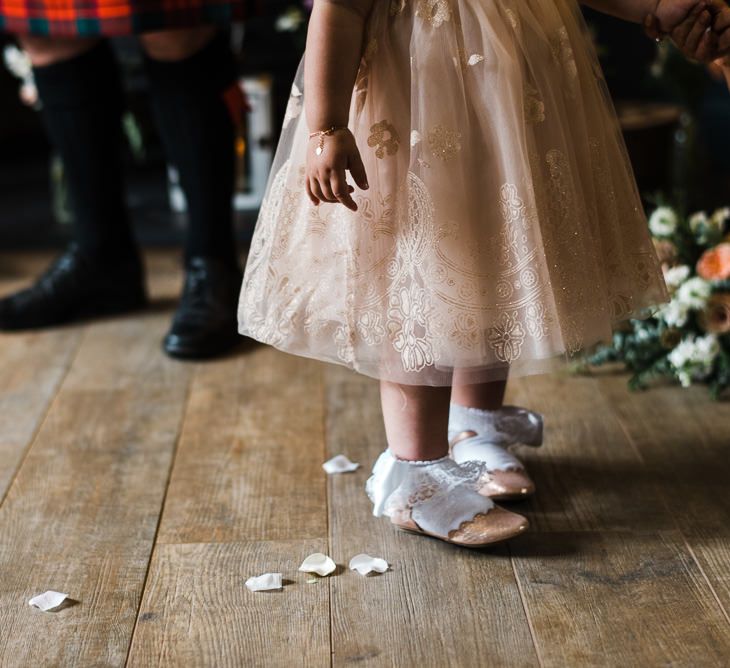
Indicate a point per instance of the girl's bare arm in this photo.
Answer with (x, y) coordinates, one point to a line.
(334, 49)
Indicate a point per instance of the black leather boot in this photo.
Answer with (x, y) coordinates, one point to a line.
(74, 288)
(205, 324)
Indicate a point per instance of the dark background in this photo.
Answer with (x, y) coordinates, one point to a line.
(686, 163)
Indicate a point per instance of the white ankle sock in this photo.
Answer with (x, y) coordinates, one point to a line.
(495, 431)
(439, 494)
(504, 426)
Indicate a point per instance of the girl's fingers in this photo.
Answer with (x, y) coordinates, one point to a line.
(357, 169)
(311, 196)
(324, 184)
(317, 189)
(342, 190)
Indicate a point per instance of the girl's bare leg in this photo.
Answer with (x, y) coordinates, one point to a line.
(416, 420)
(486, 396)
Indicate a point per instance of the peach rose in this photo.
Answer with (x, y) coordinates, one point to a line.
(714, 265)
(715, 318)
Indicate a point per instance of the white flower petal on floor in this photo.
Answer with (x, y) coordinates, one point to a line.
(339, 464)
(318, 563)
(265, 582)
(365, 564)
(48, 600)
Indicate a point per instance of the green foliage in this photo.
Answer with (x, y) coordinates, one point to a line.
(677, 343)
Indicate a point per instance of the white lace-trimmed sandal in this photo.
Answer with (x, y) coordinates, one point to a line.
(477, 435)
(440, 498)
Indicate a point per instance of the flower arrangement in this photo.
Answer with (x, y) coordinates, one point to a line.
(687, 339)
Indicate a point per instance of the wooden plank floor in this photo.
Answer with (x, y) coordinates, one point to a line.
(149, 490)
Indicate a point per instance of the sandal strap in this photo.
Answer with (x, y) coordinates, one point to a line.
(505, 426)
(481, 449)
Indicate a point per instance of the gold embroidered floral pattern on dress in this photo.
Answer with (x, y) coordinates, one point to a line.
(534, 106)
(384, 139)
(435, 12)
(562, 51)
(507, 337)
(445, 144)
(408, 326)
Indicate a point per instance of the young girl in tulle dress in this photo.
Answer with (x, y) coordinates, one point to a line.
(489, 225)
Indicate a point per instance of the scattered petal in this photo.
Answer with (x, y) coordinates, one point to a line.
(265, 582)
(364, 564)
(340, 464)
(48, 600)
(474, 59)
(318, 563)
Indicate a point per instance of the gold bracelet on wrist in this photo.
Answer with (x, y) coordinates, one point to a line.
(325, 133)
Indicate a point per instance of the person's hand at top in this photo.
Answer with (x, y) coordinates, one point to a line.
(703, 34)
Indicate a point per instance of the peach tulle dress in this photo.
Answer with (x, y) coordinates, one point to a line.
(502, 229)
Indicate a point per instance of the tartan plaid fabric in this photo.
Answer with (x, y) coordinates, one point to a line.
(75, 18)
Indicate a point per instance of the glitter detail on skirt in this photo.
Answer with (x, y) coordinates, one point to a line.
(502, 230)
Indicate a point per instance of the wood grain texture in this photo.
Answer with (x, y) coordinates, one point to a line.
(439, 605)
(619, 599)
(685, 440)
(249, 465)
(589, 475)
(32, 367)
(197, 611)
(82, 512)
(626, 564)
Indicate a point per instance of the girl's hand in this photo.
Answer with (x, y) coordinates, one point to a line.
(326, 173)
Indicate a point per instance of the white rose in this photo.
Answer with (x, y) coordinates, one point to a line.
(694, 357)
(663, 222)
(698, 221)
(682, 354)
(707, 348)
(675, 276)
(693, 294)
(719, 217)
(674, 313)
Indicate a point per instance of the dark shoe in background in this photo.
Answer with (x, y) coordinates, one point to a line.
(75, 288)
(205, 324)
